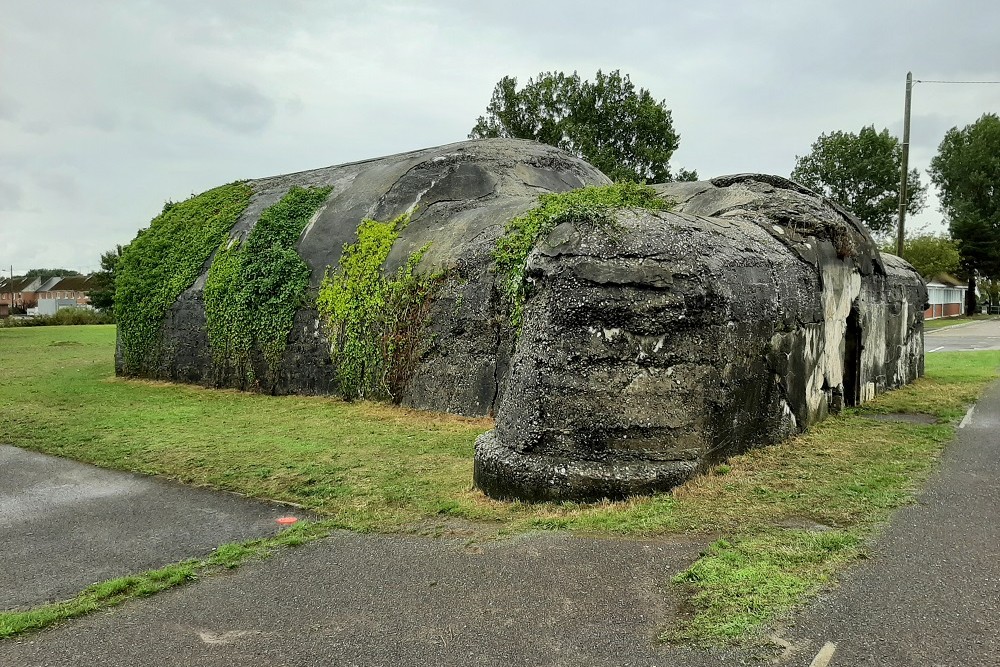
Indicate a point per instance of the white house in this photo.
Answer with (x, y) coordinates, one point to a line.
(946, 296)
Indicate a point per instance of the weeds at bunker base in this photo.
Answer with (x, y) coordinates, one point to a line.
(621, 347)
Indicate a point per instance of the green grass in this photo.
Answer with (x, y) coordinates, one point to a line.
(943, 322)
(739, 586)
(365, 465)
(371, 467)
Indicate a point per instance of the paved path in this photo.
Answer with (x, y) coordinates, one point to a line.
(66, 525)
(930, 594)
(547, 599)
(984, 335)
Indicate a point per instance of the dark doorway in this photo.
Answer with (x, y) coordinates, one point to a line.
(852, 360)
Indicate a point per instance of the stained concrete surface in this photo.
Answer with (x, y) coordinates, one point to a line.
(983, 335)
(66, 525)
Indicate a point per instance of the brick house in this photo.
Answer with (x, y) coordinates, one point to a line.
(945, 296)
(19, 293)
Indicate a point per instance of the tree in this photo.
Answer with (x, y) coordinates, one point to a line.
(45, 274)
(990, 289)
(102, 296)
(622, 131)
(861, 173)
(929, 254)
(966, 171)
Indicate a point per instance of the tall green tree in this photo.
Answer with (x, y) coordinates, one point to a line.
(930, 254)
(622, 131)
(102, 296)
(861, 173)
(966, 171)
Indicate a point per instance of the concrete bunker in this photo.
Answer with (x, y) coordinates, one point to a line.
(746, 314)
(748, 311)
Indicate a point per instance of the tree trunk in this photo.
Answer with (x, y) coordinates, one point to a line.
(970, 294)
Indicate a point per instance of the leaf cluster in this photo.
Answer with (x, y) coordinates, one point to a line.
(861, 173)
(373, 320)
(592, 205)
(930, 254)
(45, 274)
(102, 296)
(254, 288)
(163, 261)
(966, 171)
(622, 131)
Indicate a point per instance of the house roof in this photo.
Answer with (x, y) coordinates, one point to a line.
(72, 284)
(17, 284)
(947, 280)
(47, 285)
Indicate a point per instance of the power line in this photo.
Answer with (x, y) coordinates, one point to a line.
(964, 82)
(906, 148)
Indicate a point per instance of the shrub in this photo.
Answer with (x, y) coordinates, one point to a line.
(254, 288)
(374, 321)
(163, 261)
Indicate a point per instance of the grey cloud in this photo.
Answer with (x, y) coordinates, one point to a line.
(106, 120)
(10, 197)
(155, 99)
(233, 106)
(9, 108)
(59, 183)
(928, 129)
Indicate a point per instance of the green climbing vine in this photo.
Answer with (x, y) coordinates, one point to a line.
(163, 261)
(594, 205)
(255, 287)
(374, 321)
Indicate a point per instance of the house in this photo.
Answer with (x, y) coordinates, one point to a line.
(945, 296)
(19, 293)
(59, 292)
(43, 296)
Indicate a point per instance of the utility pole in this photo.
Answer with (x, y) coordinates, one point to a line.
(900, 232)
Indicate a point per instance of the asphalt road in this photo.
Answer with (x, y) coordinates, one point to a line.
(66, 525)
(983, 335)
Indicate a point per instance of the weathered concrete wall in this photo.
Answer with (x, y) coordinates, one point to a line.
(650, 354)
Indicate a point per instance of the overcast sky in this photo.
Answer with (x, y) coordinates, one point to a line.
(108, 109)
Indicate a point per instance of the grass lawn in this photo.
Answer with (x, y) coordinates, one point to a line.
(942, 322)
(370, 467)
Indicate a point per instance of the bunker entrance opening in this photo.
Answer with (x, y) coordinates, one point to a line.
(852, 360)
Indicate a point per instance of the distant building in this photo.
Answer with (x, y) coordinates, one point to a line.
(59, 292)
(19, 293)
(43, 296)
(945, 296)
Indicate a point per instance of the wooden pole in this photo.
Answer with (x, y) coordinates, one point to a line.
(900, 232)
